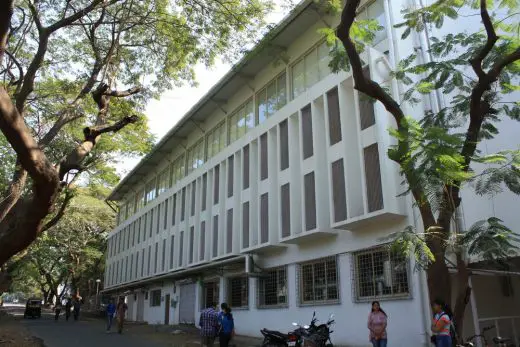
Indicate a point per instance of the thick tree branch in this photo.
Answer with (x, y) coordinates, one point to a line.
(65, 203)
(476, 62)
(76, 157)
(20, 70)
(125, 93)
(36, 16)
(6, 12)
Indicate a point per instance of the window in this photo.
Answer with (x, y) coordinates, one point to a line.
(263, 157)
(139, 200)
(202, 241)
(271, 98)
(131, 272)
(241, 121)
(193, 195)
(178, 170)
(284, 145)
(181, 247)
(285, 210)
(216, 185)
(134, 227)
(195, 156)
(245, 225)
(334, 117)
(165, 223)
(163, 255)
(142, 262)
(155, 299)
(149, 260)
(145, 225)
(204, 191)
(216, 140)
(310, 69)
(211, 293)
(366, 106)
(319, 281)
(158, 218)
(151, 191)
(245, 172)
(215, 236)
(375, 11)
(131, 206)
(374, 187)
(229, 237)
(183, 204)
(172, 248)
(136, 264)
(310, 201)
(151, 222)
(338, 191)
(272, 289)
(238, 292)
(155, 257)
(230, 181)
(174, 208)
(264, 218)
(308, 148)
(192, 240)
(163, 181)
(380, 273)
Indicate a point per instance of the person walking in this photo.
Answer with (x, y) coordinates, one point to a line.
(57, 310)
(111, 311)
(68, 306)
(377, 321)
(226, 325)
(441, 325)
(120, 312)
(77, 307)
(208, 323)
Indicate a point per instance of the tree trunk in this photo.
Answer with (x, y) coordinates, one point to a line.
(15, 190)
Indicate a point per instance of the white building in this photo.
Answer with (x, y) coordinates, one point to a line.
(274, 193)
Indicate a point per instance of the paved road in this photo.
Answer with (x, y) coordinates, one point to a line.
(83, 333)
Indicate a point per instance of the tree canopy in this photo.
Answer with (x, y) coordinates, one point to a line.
(72, 71)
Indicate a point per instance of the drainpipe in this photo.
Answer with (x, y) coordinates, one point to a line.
(398, 89)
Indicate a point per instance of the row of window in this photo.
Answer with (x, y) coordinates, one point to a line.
(378, 274)
(157, 218)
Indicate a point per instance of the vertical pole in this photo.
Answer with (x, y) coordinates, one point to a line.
(515, 336)
(474, 312)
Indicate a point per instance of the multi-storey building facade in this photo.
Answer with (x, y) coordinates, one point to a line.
(274, 194)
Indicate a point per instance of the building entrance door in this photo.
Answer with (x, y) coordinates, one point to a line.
(167, 309)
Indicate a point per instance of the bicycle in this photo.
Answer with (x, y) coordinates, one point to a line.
(497, 340)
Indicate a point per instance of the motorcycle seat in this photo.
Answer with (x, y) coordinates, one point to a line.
(275, 333)
(499, 339)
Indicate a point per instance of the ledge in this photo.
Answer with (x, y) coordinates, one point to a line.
(263, 248)
(307, 236)
(365, 220)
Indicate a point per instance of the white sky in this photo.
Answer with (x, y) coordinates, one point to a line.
(163, 114)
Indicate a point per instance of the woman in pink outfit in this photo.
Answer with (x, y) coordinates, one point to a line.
(377, 320)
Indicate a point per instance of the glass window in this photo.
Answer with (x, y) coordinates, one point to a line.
(271, 98)
(196, 156)
(151, 190)
(155, 298)
(241, 121)
(272, 289)
(139, 200)
(178, 170)
(216, 140)
(163, 181)
(323, 60)
(310, 69)
(319, 281)
(298, 78)
(375, 11)
(380, 273)
(238, 292)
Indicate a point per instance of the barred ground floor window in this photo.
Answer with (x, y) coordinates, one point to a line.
(272, 288)
(319, 281)
(238, 292)
(210, 293)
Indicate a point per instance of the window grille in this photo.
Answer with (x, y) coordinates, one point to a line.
(238, 292)
(319, 281)
(211, 293)
(272, 289)
(380, 273)
(155, 299)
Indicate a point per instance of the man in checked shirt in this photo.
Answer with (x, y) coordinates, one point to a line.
(208, 323)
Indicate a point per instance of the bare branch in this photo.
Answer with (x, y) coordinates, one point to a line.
(54, 220)
(20, 70)
(6, 12)
(36, 17)
(124, 93)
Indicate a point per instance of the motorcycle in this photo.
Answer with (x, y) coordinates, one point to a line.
(308, 335)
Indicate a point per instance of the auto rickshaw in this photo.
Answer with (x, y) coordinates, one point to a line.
(33, 308)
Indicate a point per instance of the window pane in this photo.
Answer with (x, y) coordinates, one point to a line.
(334, 117)
(271, 98)
(261, 106)
(310, 201)
(263, 157)
(282, 91)
(250, 115)
(376, 11)
(298, 78)
(323, 60)
(308, 148)
(232, 128)
(284, 145)
(311, 69)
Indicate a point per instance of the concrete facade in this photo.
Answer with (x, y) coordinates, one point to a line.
(283, 209)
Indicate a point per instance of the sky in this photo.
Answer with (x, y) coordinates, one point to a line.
(164, 113)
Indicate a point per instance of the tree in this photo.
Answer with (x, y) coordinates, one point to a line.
(55, 54)
(437, 154)
(71, 253)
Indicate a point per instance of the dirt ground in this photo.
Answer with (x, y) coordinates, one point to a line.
(13, 334)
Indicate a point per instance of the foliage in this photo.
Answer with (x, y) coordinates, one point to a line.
(71, 252)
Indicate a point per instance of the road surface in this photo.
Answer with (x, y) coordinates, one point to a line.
(84, 333)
